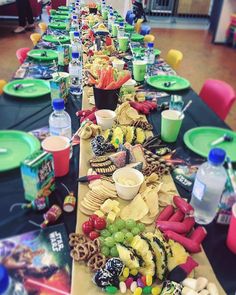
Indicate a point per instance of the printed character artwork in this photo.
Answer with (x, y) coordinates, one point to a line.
(38, 262)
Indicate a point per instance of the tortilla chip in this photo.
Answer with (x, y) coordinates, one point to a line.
(136, 209)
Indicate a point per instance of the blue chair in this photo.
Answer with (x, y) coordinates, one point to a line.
(128, 14)
(130, 19)
(145, 30)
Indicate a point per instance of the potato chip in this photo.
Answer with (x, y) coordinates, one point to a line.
(136, 209)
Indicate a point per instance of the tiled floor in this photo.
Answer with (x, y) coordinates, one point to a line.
(202, 59)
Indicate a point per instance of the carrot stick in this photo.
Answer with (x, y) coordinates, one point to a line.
(111, 86)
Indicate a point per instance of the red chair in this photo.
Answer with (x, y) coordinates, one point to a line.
(21, 54)
(48, 8)
(219, 96)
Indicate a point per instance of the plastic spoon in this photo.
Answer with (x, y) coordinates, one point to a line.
(2, 150)
(185, 108)
(21, 86)
(226, 137)
(169, 83)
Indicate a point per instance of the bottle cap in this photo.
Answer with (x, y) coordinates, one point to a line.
(217, 156)
(75, 54)
(76, 34)
(121, 24)
(58, 104)
(74, 16)
(150, 44)
(4, 279)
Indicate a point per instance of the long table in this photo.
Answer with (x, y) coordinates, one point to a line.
(31, 114)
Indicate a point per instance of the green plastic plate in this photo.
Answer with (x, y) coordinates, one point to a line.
(61, 17)
(137, 37)
(62, 12)
(129, 28)
(199, 141)
(160, 80)
(57, 25)
(43, 55)
(15, 146)
(39, 88)
(141, 51)
(55, 39)
(65, 8)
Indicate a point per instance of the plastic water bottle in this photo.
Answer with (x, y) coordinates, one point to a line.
(77, 44)
(121, 30)
(59, 120)
(208, 187)
(8, 286)
(76, 76)
(74, 23)
(103, 5)
(150, 57)
(111, 20)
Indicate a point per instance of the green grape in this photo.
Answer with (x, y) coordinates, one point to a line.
(141, 227)
(102, 240)
(120, 224)
(105, 251)
(113, 228)
(135, 231)
(130, 223)
(105, 233)
(109, 242)
(129, 237)
(124, 231)
(119, 237)
(114, 252)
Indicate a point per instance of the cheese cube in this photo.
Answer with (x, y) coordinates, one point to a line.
(111, 217)
(99, 213)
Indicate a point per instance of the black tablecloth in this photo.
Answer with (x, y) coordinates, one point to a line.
(31, 114)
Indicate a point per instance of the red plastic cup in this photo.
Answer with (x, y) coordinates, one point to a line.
(59, 147)
(231, 238)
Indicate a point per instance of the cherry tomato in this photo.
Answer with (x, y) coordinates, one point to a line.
(93, 235)
(92, 218)
(100, 223)
(87, 227)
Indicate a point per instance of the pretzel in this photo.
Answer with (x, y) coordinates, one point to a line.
(80, 252)
(97, 243)
(96, 262)
(75, 239)
(92, 249)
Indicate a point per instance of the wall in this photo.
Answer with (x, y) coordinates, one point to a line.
(120, 5)
(228, 8)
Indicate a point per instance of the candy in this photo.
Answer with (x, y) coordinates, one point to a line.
(133, 286)
(111, 290)
(115, 266)
(138, 291)
(140, 283)
(122, 287)
(104, 278)
(128, 282)
(184, 206)
(126, 272)
(147, 290)
(143, 278)
(156, 290)
(133, 271)
(148, 280)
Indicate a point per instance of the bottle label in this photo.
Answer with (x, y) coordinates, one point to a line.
(199, 189)
(61, 131)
